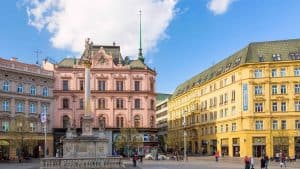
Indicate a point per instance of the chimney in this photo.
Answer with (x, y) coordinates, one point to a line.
(14, 59)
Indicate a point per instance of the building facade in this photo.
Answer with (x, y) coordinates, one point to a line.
(162, 119)
(26, 91)
(122, 95)
(247, 104)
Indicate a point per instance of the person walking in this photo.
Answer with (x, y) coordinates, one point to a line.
(252, 162)
(267, 161)
(262, 163)
(217, 156)
(247, 162)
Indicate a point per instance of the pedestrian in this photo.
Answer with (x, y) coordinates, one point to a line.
(282, 160)
(252, 162)
(217, 156)
(262, 163)
(134, 158)
(247, 162)
(267, 162)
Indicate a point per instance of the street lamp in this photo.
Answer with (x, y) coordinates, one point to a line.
(184, 136)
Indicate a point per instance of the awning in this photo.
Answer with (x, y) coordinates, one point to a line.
(4, 143)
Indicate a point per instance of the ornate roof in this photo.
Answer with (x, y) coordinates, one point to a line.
(270, 51)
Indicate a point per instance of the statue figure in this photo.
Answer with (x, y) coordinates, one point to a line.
(88, 49)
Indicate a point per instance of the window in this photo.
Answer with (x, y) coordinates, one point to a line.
(45, 108)
(152, 121)
(65, 85)
(136, 85)
(5, 86)
(221, 99)
(101, 103)
(101, 85)
(45, 92)
(151, 86)
(232, 78)
(20, 88)
(102, 123)
(225, 98)
(20, 107)
(258, 90)
(32, 107)
(216, 129)
(32, 90)
(226, 128)
(137, 121)
(120, 122)
(81, 105)
(66, 122)
(282, 72)
(274, 89)
(5, 126)
(81, 85)
(5, 105)
(119, 86)
(274, 106)
(297, 71)
(259, 125)
(152, 104)
(283, 106)
(222, 129)
(137, 103)
(32, 126)
(283, 89)
(297, 124)
(258, 107)
(257, 73)
(233, 95)
(233, 111)
(297, 88)
(120, 104)
(275, 125)
(233, 127)
(221, 113)
(297, 105)
(225, 112)
(274, 73)
(283, 124)
(65, 103)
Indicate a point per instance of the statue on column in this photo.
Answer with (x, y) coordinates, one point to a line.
(88, 50)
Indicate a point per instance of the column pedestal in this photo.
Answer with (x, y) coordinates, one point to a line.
(87, 126)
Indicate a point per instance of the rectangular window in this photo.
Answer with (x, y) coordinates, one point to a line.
(283, 124)
(65, 85)
(297, 105)
(283, 89)
(297, 71)
(274, 73)
(297, 88)
(225, 112)
(101, 85)
(101, 103)
(258, 73)
(5, 126)
(5, 105)
(45, 108)
(274, 106)
(136, 85)
(81, 85)
(233, 127)
(32, 126)
(274, 89)
(258, 107)
(283, 106)
(233, 95)
(20, 107)
(119, 85)
(32, 108)
(137, 103)
(225, 98)
(232, 78)
(259, 125)
(275, 125)
(65, 103)
(297, 124)
(222, 129)
(282, 72)
(81, 105)
(226, 128)
(119, 104)
(258, 90)
(233, 111)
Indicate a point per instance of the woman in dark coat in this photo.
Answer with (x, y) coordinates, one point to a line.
(262, 163)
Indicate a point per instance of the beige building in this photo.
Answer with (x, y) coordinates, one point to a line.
(26, 91)
(247, 104)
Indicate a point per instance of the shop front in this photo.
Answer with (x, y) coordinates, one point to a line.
(236, 147)
(280, 145)
(4, 150)
(213, 146)
(224, 147)
(297, 147)
(258, 146)
(204, 147)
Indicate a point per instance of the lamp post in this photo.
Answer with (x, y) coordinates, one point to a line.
(184, 137)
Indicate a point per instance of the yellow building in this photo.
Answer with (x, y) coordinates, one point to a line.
(247, 104)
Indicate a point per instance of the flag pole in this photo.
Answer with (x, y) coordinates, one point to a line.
(45, 153)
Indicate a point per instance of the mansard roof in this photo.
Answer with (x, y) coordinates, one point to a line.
(256, 52)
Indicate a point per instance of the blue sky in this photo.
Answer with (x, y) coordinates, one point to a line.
(193, 39)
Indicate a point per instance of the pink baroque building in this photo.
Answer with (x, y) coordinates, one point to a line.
(122, 94)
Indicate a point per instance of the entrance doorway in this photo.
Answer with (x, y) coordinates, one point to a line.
(236, 151)
(4, 150)
(259, 150)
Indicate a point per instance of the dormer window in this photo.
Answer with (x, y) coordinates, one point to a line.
(261, 58)
(276, 57)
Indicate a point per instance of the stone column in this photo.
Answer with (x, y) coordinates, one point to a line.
(87, 90)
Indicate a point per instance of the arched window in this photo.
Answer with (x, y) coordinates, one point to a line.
(152, 121)
(137, 121)
(32, 90)
(45, 92)
(102, 123)
(152, 104)
(66, 122)
(120, 122)
(20, 88)
(81, 119)
(5, 86)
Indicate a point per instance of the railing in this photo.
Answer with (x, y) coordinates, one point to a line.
(81, 163)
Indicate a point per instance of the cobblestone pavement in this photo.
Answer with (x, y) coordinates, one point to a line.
(193, 163)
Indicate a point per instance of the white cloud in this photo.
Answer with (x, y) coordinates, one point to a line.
(104, 21)
(219, 6)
